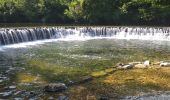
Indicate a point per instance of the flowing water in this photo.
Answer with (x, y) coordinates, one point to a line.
(66, 53)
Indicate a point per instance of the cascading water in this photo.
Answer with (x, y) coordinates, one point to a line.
(13, 36)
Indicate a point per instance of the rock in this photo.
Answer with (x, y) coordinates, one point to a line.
(63, 98)
(156, 63)
(119, 65)
(51, 98)
(147, 63)
(12, 87)
(18, 99)
(1, 81)
(84, 80)
(6, 94)
(165, 64)
(55, 87)
(17, 92)
(135, 63)
(129, 66)
(140, 66)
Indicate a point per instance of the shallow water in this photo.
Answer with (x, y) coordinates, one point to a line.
(74, 59)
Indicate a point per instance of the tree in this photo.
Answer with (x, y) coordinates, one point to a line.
(75, 10)
(101, 11)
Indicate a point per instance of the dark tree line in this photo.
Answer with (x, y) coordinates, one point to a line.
(108, 12)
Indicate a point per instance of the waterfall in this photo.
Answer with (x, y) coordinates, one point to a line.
(13, 36)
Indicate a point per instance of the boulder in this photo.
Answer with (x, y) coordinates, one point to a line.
(55, 87)
(140, 66)
(164, 64)
(147, 63)
(135, 63)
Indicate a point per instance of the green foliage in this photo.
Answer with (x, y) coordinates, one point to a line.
(86, 11)
(75, 10)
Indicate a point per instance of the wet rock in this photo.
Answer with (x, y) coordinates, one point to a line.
(17, 92)
(6, 94)
(140, 66)
(63, 98)
(55, 87)
(10, 88)
(147, 63)
(18, 99)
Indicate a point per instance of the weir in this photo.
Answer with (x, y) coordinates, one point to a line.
(13, 36)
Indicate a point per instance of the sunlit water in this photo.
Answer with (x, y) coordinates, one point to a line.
(92, 53)
(112, 50)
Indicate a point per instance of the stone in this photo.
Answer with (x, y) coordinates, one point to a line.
(84, 80)
(147, 63)
(156, 63)
(63, 98)
(135, 63)
(119, 65)
(12, 87)
(140, 66)
(18, 99)
(129, 66)
(6, 94)
(51, 98)
(1, 81)
(55, 87)
(165, 64)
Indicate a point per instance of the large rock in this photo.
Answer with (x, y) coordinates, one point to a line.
(135, 63)
(147, 63)
(165, 64)
(140, 66)
(55, 87)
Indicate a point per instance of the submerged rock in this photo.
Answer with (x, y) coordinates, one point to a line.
(55, 87)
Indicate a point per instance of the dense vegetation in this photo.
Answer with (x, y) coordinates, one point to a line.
(113, 12)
